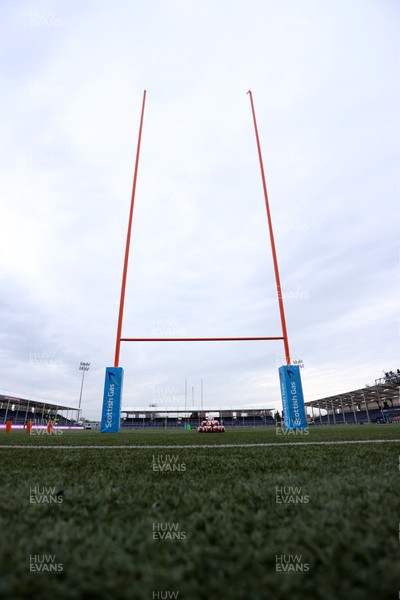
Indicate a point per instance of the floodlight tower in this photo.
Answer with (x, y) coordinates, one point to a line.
(84, 366)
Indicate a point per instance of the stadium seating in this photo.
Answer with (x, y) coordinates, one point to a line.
(375, 416)
(21, 417)
(163, 422)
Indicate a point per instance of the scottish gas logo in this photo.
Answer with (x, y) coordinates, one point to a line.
(292, 398)
(295, 403)
(110, 404)
(111, 414)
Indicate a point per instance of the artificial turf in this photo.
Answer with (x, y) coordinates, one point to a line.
(212, 524)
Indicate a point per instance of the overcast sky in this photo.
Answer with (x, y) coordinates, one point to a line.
(325, 82)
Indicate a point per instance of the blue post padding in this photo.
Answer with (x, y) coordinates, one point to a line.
(294, 414)
(111, 413)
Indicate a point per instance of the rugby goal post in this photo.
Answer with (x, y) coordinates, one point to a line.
(290, 382)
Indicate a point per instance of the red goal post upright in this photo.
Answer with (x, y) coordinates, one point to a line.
(289, 375)
(290, 378)
(128, 240)
(272, 239)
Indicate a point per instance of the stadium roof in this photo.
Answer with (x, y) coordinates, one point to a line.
(6, 398)
(159, 409)
(380, 393)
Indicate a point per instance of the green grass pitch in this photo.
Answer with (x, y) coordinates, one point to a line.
(192, 523)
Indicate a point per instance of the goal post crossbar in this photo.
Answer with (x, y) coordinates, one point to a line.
(201, 339)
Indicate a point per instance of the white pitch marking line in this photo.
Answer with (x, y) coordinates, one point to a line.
(197, 446)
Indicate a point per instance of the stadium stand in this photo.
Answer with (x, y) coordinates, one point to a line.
(178, 419)
(372, 404)
(19, 410)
